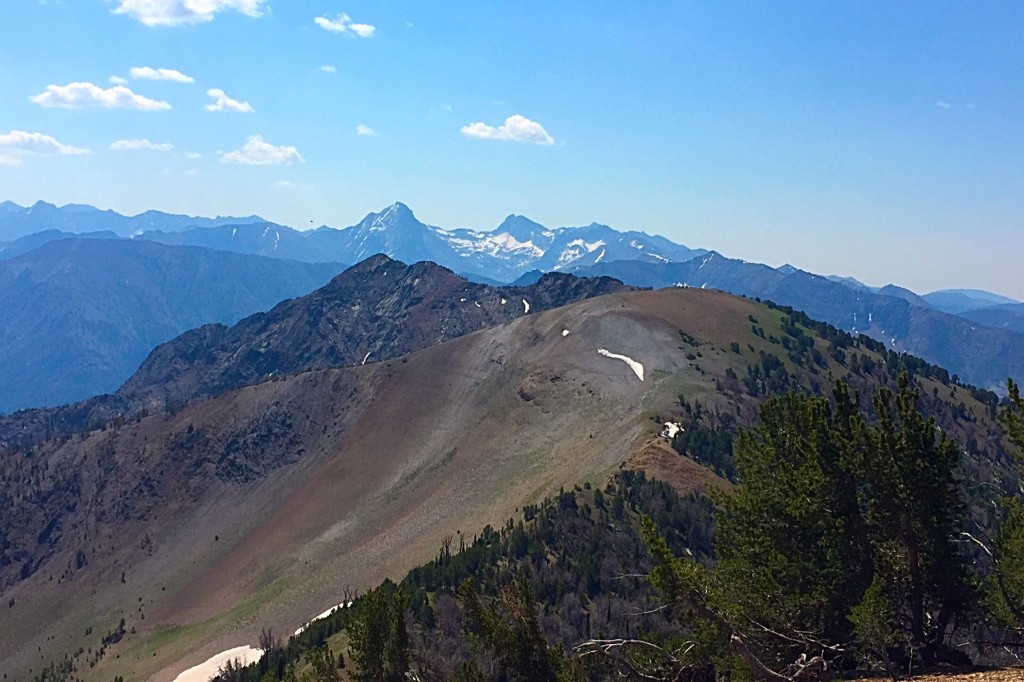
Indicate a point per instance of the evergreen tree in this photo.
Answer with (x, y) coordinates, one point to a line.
(790, 540)
(508, 628)
(842, 536)
(915, 511)
(322, 662)
(1006, 593)
(379, 640)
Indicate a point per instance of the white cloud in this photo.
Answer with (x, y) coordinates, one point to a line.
(366, 131)
(117, 80)
(6, 160)
(18, 142)
(343, 24)
(943, 105)
(180, 12)
(190, 171)
(256, 152)
(328, 68)
(136, 145)
(287, 184)
(80, 95)
(148, 73)
(221, 102)
(193, 155)
(515, 129)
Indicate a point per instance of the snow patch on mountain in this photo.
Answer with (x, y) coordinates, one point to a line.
(637, 368)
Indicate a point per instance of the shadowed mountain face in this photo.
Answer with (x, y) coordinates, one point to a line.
(78, 316)
(260, 505)
(981, 355)
(376, 310)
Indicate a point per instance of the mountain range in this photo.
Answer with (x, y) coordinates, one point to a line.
(19, 221)
(501, 255)
(264, 496)
(267, 456)
(976, 334)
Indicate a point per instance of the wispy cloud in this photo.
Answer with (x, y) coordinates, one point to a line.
(148, 73)
(221, 102)
(515, 129)
(329, 68)
(18, 143)
(287, 184)
(181, 12)
(118, 80)
(943, 105)
(343, 24)
(193, 155)
(81, 95)
(140, 144)
(256, 152)
(366, 131)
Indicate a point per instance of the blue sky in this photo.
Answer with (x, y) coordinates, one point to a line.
(875, 139)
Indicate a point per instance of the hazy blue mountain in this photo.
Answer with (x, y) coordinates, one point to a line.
(259, 239)
(961, 300)
(906, 294)
(983, 355)
(78, 316)
(1005, 316)
(528, 278)
(18, 221)
(850, 282)
(33, 241)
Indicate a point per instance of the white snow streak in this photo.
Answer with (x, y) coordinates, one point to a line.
(526, 305)
(207, 670)
(671, 429)
(565, 332)
(637, 368)
(365, 358)
(323, 615)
